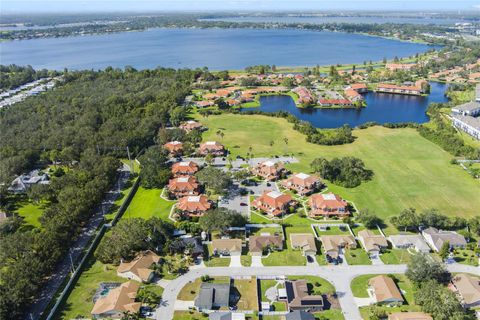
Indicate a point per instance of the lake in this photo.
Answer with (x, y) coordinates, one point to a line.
(218, 49)
(381, 107)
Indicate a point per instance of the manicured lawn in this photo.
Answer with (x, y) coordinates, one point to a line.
(466, 256)
(332, 231)
(213, 261)
(117, 203)
(357, 256)
(264, 285)
(190, 290)
(287, 257)
(189, 315)
(359, 286)
(246, 260)
(260, 231)
(30, 212)
(410, 171)
(147, 204)
(332, 314)
(395, 256)
(79, 303)
(318, 285)
(247, 291)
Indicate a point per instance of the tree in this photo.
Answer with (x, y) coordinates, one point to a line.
(407, 220)
(438, 301)
(215, 180)
(422, 268)
(220, 219)
(348, 171)
(177, 115)
(368, 219)
(288, 82)
(155, 171)
(444, 250)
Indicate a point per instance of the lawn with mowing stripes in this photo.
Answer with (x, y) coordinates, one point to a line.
(410, 171)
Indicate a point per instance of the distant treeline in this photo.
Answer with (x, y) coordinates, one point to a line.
(13, 76)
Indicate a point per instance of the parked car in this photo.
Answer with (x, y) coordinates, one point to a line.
(309, 259)
(243, 204)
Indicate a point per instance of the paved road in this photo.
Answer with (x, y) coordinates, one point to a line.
(339, 276)
(63, 269)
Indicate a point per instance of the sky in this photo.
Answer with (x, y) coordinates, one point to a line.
(38, 6)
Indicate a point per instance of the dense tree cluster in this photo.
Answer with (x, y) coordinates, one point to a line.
(155, 169)
(332, 137)
(27, 257)
(348, 172)
(369, 219)
(409, 219)
(220, 219)
(131, 236)
(215, 180)
(13, 76)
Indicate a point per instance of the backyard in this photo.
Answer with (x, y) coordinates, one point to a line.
(147, 203)
(409, 170)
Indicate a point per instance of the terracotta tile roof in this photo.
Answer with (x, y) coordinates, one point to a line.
(190, 125)
(257, 243)
(174, 146)
(269, 169)
(184, 168)
(183, 184)
(211, 147)
(358, 86)
(194, 204)
(385, 289)
(468, 287)
(140, 266)
(327, 204)
(120, 299)
(273, 202)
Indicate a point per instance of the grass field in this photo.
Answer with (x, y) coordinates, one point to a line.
(147, 204)
(410, 171)
(247, 292)
(30, 212)
(189, 315)
(357, 256)
(318, 285)
(396, 256)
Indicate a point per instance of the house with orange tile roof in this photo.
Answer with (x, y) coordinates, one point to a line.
(204, 103)
(416, 89)
(211, 147)
(274, 203)
(183, 186)
(191, 125)
(194, 206)
(139, 269)
(117, 302)
(353, 95)
(184, 168)
(175, 148)
(302, 183)
(359, 87)
(384, 291)
(335, 102)
(327, 205)
(269, 170)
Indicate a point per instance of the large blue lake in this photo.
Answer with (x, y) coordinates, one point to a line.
(217, 49)
(381, 107)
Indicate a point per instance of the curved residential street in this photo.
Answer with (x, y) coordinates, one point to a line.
(339, 276)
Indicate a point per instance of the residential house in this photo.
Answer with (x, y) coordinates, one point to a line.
(194, 206)
(353, 95)
(175, 148)
(372, 243)
(257, 244)
(191, 125)
(204, 103)
(269, 170)
(405, 241)
(192, 245)
(467, 289)
(470, 125)
(436, 238)
(409, 316)
(183, 186)
(226, 315)
(471, 108)
(211, 147)
(304, 242)
(384, 291)
(299, 315)
(139, 269)
(117, 301)
(274, 203)
(335, 102)
(212, 295)
(327, 205)
(359, 87)
(333, 244)
(304, 95)
(299, 298)
(302, 183)
(184, 168)
(227, 247)
(417, 89)
(21, 183)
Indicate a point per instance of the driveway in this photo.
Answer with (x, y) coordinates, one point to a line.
(235, 261)
(261, 187)
(314, 262)
(184, 305)
(257, 261)
(376, 260)
(362, 302)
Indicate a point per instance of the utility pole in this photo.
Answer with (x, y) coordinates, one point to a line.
(130, 160)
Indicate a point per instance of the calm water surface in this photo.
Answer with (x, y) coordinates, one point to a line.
(381, 107)
(217, 49)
